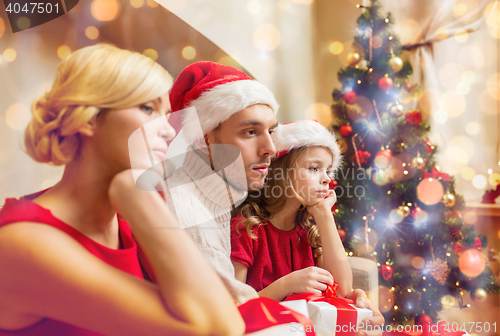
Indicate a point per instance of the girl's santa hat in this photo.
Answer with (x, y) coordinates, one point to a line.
(217, 92)
(305, 133)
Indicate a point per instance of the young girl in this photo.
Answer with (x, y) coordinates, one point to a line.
(68, 263)
(275, 239)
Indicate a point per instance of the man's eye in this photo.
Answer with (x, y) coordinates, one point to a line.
(271, 131)
(146, 109)
(251, 132)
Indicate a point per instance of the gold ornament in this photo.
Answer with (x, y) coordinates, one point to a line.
(397, 109)
(364, 65)
(353, 58)
(405, 210)
(449, 200)
(478, 295)
(418, 162)
(439, 270)
(396, 63)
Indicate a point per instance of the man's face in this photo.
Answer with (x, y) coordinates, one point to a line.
(250, 130)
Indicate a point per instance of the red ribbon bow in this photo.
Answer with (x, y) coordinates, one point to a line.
(346, 314)
(435, 174)
(459, 248)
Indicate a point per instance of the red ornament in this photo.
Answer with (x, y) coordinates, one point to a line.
(386, 152)
(350, 97)
(385, 83)
(413, 117)
(422, 319)
(363, 157)
(409, 86)
(429, 146)
(333, 184)
(342, 234)
(386, 271)
(345, 130)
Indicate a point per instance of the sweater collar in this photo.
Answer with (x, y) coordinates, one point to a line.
(211, 184)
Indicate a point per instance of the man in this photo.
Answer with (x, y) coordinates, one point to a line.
(234, 112)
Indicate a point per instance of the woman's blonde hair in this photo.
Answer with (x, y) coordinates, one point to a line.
(90, 80)
(260, 206)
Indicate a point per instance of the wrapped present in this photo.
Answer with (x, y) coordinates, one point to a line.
(267, 317)
(332, 315)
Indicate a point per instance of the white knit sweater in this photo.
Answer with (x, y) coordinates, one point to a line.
(200, 199)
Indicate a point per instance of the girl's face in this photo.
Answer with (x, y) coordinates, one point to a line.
(135, 137)
(312, 174)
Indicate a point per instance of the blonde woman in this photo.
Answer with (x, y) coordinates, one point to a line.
(68, 263)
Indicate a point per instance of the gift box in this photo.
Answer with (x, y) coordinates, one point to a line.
(331, 315)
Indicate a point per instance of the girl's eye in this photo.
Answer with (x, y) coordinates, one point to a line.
(314, 169)
(147, 109)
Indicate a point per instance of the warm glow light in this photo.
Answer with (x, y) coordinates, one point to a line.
(463, 88)
(472, 128)
(493, 86)
(461, 36)
(254, 6)
(453, 103)
(492, 14)
(336, 47)
(418, 263)
(9, 54)
(490, 171)
(151, 53)
(468, 173)
(92, 32)
(460, 150)
(23, 22)
(440, 116)
(469, 76)
(494, 179)
(450, 74)
(188, 53)
(152, 3)
(2, 27)
(479, 181)
(63, 51)
(105, 10)
(284, 5)
(320, 112)
(459, 9)
(441, 33)
(137, 3)
(18, 116)
(266, 37)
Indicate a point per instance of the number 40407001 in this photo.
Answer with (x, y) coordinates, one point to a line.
(32, 7)
(472, 327)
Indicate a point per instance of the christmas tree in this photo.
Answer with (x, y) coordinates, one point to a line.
(394, 204)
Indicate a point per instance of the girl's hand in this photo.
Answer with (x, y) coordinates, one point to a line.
(308, 280)
(324, 205)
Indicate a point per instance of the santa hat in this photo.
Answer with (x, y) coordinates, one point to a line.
(305, 133)
(217, 92)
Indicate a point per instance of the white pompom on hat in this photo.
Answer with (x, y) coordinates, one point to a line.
(305, 133)
(217, 92)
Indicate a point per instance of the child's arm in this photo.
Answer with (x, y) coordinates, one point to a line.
(307, 280)
(334, 258)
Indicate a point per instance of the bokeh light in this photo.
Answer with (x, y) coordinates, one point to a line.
(430, 191)
(441, 33)
(92, 32)
(303, 2)
(448, 301)
(9, 142)
(407, 30)
(471, 57)
(137, 3)
(469, 76)
(396, 216)
(492, 14)
(470, 218)
(63, 51)
(154, 4)
(479, 181)
(377, 42)
(23, 22)
(266, 37)
(453, 103)
(2, 27)
(421, 217)
(440, 116)
(418, 262)
(9, 55)
(188, 53)
(18, 116)
(336, 47)
(471, 263)
(105, 10)
(386, 299)
(472, 128)
(494, 179)
(460, 150)
(254, 6)
(320, 112)
(380, 178)
(151, 53)
(493, 86)
(463, 88)
(488, 105)
(461, 36)
(459, 9)
(468, 173)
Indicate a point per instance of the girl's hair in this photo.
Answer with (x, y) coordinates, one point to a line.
(260, 205)
(90, 80)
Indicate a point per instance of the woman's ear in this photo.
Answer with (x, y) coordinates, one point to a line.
(88, 129)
